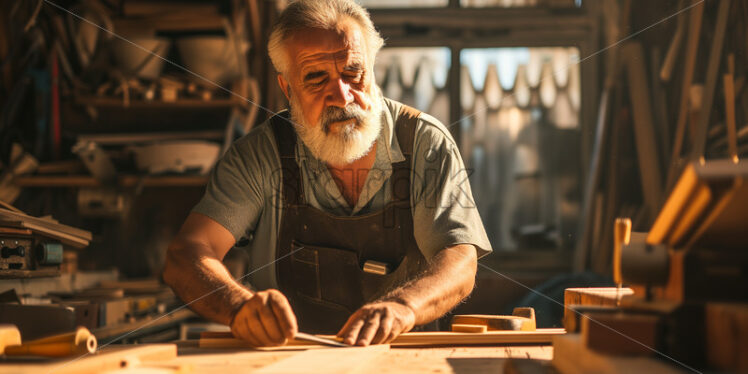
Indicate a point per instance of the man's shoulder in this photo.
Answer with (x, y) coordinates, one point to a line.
(258, 144)
(429, 128)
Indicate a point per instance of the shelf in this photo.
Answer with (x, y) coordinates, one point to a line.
(111, 102)
(42, 181)
(144, 326)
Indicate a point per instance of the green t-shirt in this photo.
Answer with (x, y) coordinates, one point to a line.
(243, 193)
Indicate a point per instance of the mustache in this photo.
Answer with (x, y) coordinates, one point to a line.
(336, 114)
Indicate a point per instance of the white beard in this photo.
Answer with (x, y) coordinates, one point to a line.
(351, 143)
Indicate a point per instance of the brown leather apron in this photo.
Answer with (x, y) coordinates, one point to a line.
(323, 276)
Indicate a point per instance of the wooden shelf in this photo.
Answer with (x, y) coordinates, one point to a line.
(111, 102)
(124, 181)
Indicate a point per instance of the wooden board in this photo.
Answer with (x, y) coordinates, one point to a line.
(432, 339)
(416, 339)
(593, 296)
(108, 358)
(330, 361)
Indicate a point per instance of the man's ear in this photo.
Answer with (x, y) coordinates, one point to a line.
(283, 85)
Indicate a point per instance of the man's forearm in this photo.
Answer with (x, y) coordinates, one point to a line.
(201, 280)
(449, 278)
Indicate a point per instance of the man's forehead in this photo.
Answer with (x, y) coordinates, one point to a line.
(333, 44)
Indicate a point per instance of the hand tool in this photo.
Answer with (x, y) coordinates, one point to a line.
(317, 339)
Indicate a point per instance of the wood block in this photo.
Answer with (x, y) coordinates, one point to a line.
(727, 336)
(463, 327)
(621, 334)
(9, 335)
(570, 356)
(593, 296)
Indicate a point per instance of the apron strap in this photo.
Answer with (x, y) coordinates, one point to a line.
(405, 130)
(285, 139)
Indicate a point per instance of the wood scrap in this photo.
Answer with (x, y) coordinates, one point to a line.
(715, 57)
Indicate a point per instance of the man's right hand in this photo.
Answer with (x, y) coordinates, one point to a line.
(266, 319)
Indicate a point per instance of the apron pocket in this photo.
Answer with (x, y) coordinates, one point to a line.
(336, 278)
(305, 271)
(375, 286)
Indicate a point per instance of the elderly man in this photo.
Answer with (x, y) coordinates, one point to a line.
(356, 209)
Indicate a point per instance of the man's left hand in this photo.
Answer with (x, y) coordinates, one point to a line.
(376, 323)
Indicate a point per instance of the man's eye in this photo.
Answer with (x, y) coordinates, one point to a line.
(316, 82)
(355, 77)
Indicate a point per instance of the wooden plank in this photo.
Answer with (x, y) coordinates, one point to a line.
(644, 128)
(692, 45)
(415, 339)
(593, 176)
(570, 356)
(732, 137)
(672, 52)
(715, 57)
(108, 358)
(47, 224)
(330, 360)
(432, 339)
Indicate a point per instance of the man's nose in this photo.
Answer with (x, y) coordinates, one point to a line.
(340, 93)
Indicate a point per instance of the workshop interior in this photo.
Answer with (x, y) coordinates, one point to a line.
(605, 143)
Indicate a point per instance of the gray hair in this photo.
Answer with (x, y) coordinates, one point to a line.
(321, 14)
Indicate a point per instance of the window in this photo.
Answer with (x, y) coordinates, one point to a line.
(510, 90)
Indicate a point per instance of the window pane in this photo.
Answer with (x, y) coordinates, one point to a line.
(522, 3)
(416, 77)
(520, 136)
(403, 3)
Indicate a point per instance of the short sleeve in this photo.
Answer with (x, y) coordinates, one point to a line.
(235, 192)
(444, 212)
